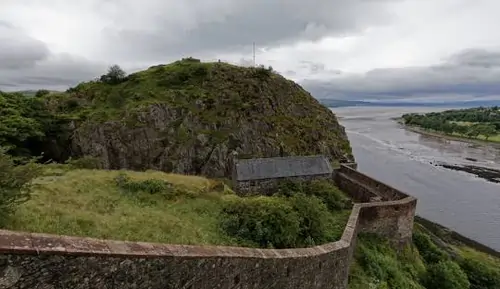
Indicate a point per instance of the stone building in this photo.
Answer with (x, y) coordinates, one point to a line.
(263, 174)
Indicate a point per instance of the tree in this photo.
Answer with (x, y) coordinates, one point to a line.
(461, 129)
(473, 132)
(487, 130)
(15, 183)
(115, 75)
(18, 122)
(41, 93)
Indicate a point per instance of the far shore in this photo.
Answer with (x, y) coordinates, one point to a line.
(446, 136)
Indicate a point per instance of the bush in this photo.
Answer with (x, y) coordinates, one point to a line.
(150, 186)
(313, 220)
(325, 190)
(428, 250)
(446, 275)
(481, 275)
(279, 222)
(380, 262)
(262, 72)
(115, 75)
(86, 162)
(268, 222)
(42, 93)
(15, 184)
(329, 193)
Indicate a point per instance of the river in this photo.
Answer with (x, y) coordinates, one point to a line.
(413, 163)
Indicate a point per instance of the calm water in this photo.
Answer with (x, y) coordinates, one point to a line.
(461, 201)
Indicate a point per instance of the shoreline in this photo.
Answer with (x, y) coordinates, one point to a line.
(452, 236)
(421, 131)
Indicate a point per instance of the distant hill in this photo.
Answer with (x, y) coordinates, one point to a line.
(33, 92)
(464, 104)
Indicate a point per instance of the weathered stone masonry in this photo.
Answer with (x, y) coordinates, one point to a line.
(51, 262)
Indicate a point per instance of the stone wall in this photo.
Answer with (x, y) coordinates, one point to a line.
(386, 211)
(385, 191)
(267, 186)
(392, 220)
(52, 262)
(357, 191)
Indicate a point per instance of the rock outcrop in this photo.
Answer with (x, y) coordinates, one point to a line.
(189, 117)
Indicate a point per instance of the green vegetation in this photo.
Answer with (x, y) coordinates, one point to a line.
(305, 219)
(169, 208)
(421, 265)
(15, 184)
(187, 112)
(473, 123)
(194, 114)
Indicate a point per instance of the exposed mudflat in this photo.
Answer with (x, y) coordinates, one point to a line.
(491, 175)
(456, 183)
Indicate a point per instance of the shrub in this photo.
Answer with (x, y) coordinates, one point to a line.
(446, 275)
(15, 183)
(86, 162)
(42, 93)
(481, 275)
(268, 222)
(115, 75)
(329, 193)
(313, 219)
(262, 72)
(325, 190)
(428, 250)
(150, 186)
(384, 265)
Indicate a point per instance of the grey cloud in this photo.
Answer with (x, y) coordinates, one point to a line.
(18, 50)
(476, 58)
(159, 31)
(238, 24)
(473, 72)
(26, 63)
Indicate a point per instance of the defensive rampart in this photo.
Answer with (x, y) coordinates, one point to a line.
(50, 262)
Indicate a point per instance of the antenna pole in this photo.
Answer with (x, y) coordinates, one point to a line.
(254, 54)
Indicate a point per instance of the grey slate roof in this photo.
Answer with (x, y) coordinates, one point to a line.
(281, 167)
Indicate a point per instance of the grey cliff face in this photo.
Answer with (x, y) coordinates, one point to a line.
(175, 140)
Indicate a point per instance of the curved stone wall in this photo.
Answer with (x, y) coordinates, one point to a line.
(48, 261)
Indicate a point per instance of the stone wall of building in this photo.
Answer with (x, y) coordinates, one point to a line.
(267, 186)
(43, 261)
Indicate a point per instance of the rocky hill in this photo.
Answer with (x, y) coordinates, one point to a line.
(189, 117)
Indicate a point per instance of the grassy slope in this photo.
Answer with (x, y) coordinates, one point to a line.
(377, 265)
(89, 203)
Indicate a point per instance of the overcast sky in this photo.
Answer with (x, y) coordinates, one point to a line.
(347, 49)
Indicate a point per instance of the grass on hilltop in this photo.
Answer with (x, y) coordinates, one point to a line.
(90, 203)
(168, 208)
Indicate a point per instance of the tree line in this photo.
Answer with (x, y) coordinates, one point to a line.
(471, 122)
